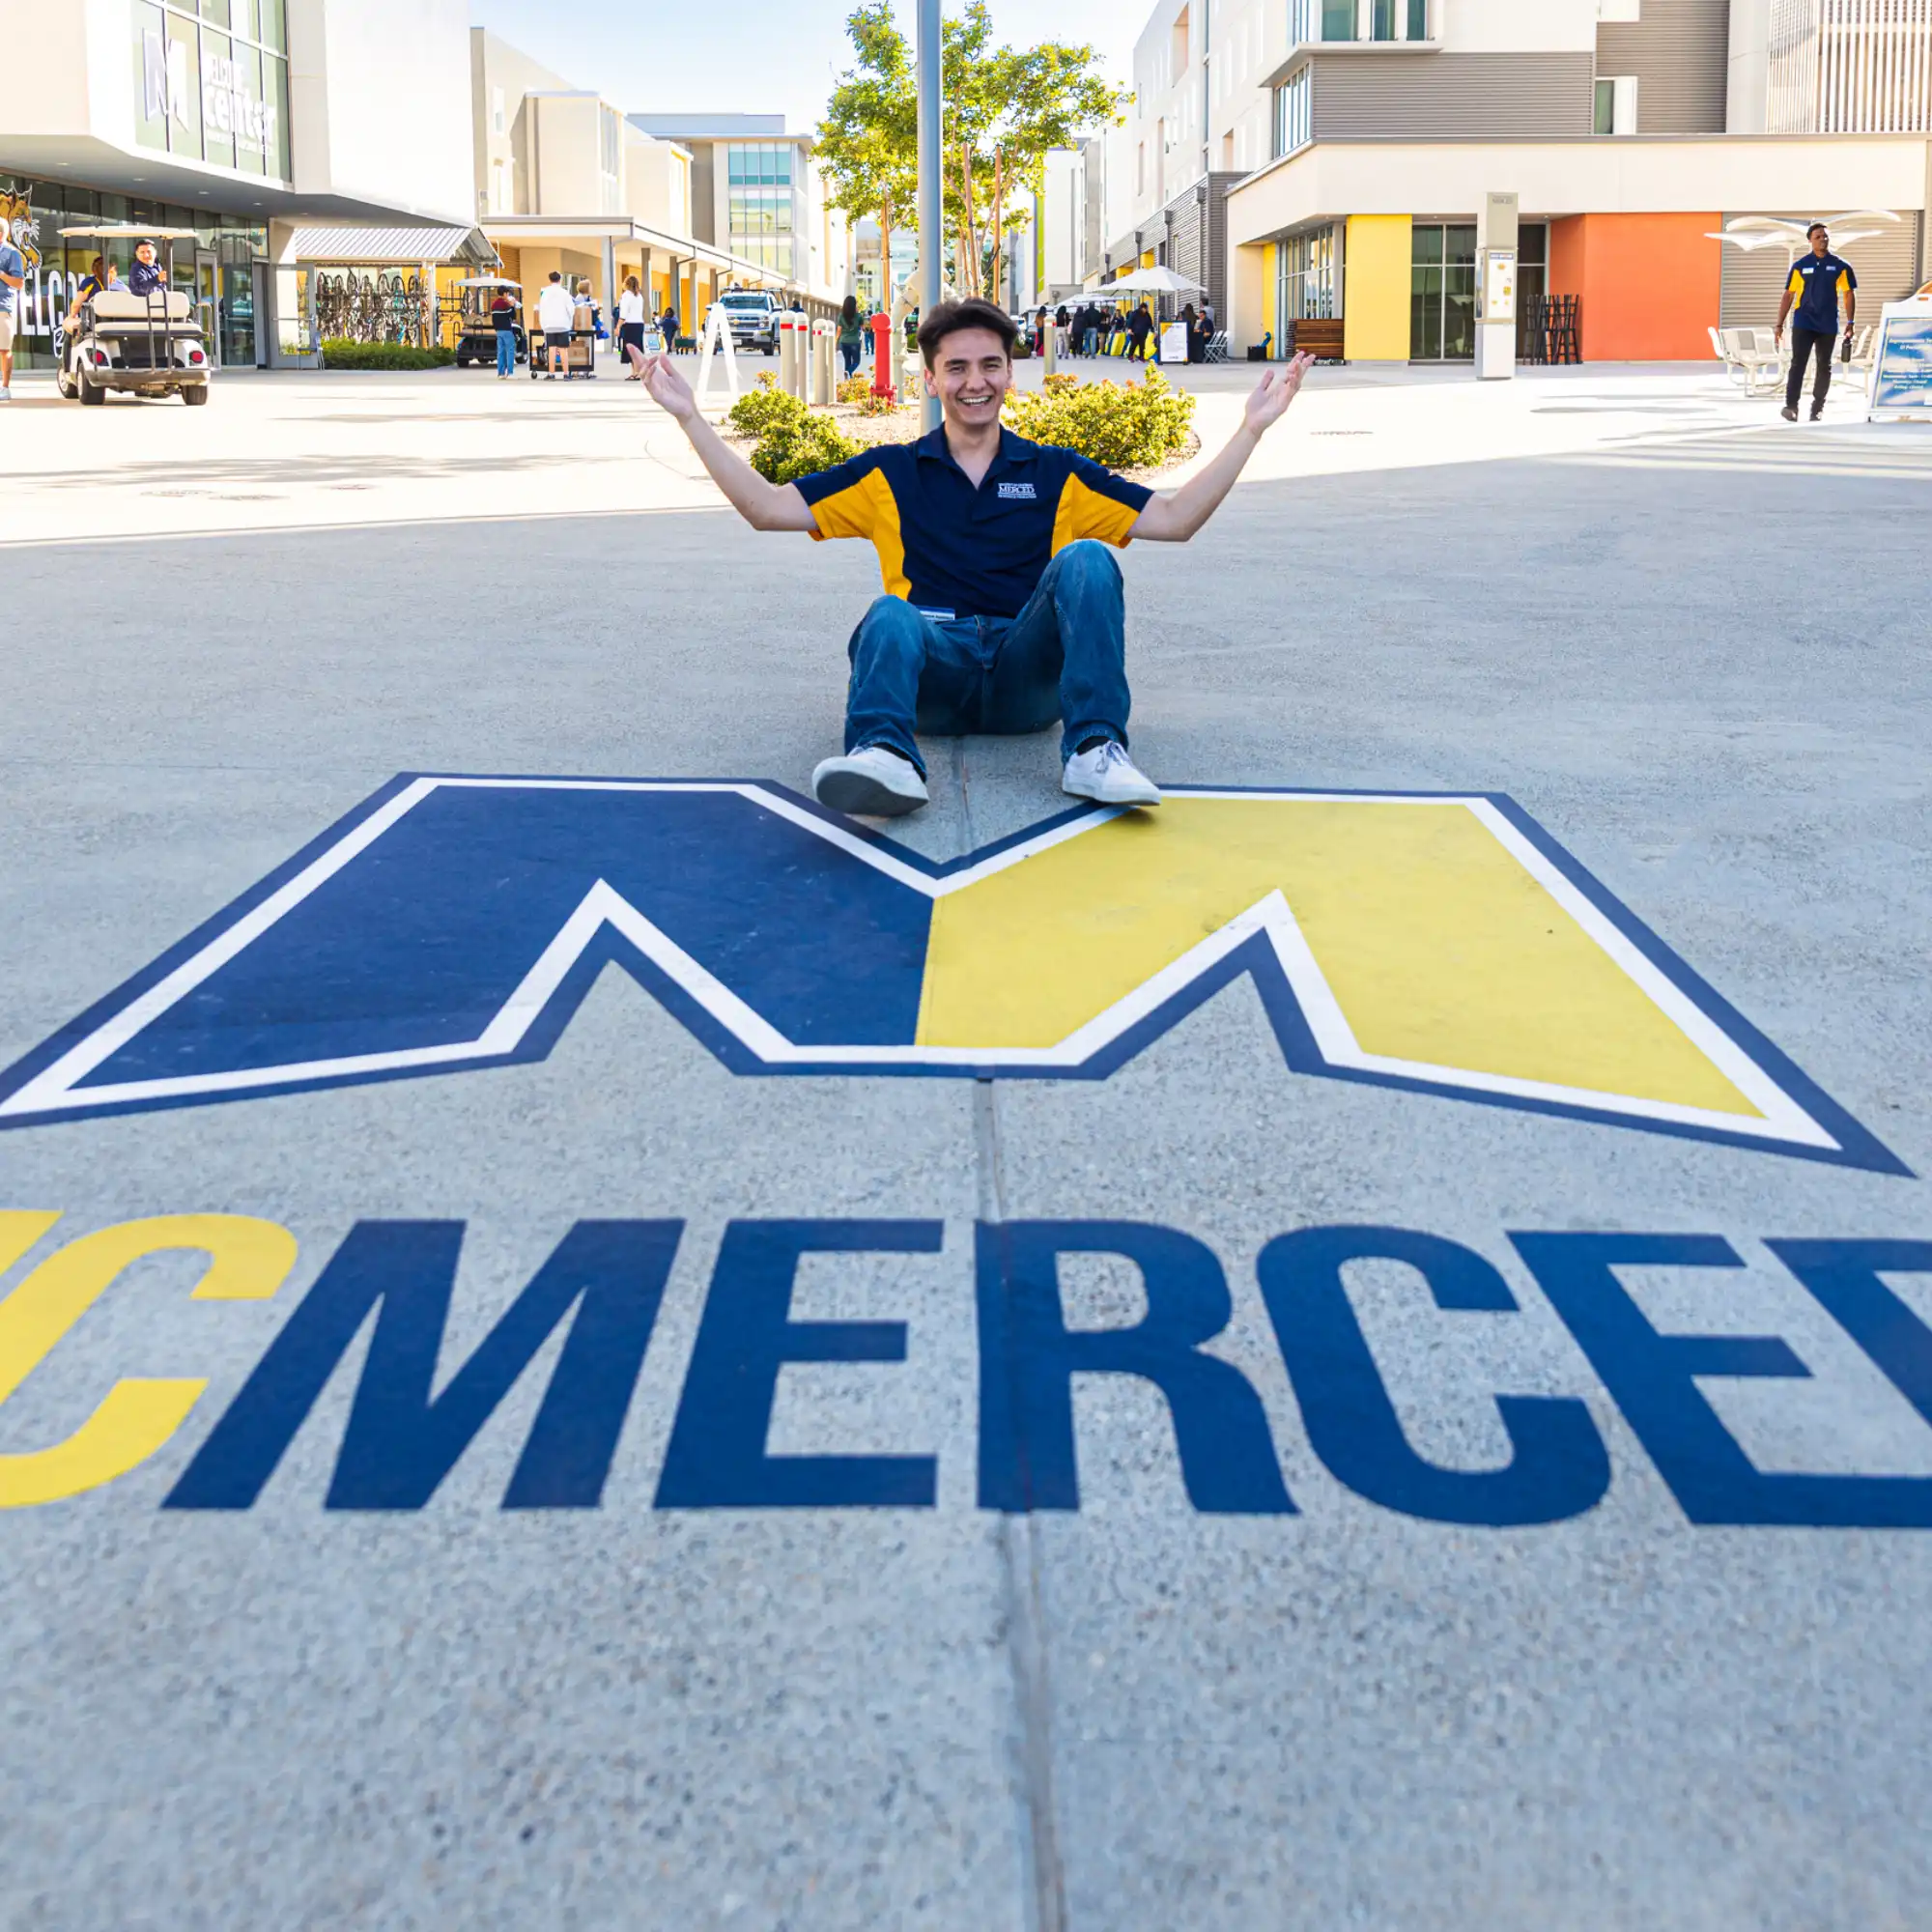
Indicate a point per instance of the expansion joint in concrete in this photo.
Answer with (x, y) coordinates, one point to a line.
(1025, 1615)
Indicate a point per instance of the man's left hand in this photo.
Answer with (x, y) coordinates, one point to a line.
(1279, 387)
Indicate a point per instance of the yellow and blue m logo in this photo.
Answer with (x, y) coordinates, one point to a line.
(1439, 943)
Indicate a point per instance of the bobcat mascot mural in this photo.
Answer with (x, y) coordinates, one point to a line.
(17, 224)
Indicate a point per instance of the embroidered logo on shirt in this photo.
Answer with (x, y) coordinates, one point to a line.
(1017, 493)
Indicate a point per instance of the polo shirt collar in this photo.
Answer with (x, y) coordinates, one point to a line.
(1012, 449)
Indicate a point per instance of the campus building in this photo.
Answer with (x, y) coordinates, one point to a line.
(755, 193)
(280, 131)
(564, 181)
(1633, 132)
(1324, 160)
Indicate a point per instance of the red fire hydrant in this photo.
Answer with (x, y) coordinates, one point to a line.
(882, 354)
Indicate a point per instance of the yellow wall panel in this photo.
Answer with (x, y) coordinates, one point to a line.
(1377, 265)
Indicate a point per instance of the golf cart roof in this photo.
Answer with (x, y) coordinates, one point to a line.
(126, 231)
(488, 282)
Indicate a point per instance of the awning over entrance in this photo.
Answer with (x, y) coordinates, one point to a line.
(368, 248)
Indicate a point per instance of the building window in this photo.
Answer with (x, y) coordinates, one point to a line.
(1329, 21)
(1293, 121)
(758, 163)
(496, 110)
(1442, 293)
(1418, 19)
(1382, 20)
(1616, 105)
(1305, 277)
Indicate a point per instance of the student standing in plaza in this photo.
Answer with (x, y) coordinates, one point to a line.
(851, 335)
(1003, 609)
(556, 317)
(13, 279)
(631, 323)
(503, 321)
(1816, 282)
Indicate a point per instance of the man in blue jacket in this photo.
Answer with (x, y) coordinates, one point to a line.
(1817, 280)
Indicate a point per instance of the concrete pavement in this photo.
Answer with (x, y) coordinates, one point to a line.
(1689, 651)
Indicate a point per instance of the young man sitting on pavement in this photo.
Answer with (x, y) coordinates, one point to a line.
(1003, 609)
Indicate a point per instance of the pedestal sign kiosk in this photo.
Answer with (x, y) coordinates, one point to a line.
(1495, 288)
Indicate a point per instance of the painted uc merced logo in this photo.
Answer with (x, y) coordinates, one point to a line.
(1441, 944)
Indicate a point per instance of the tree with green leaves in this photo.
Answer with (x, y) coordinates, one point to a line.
(869, 141)
(1004, 108)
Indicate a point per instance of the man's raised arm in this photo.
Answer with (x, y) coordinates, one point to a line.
(1175, 515)
(765, 506)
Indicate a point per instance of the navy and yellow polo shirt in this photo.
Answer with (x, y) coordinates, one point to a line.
(1818, 281)
(949, 548)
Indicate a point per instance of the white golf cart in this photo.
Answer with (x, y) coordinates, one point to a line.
(147, 345)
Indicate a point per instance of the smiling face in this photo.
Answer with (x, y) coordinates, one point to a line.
(145, 253)
(970, 373)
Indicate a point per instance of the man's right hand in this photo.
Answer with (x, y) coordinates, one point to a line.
(668, 389)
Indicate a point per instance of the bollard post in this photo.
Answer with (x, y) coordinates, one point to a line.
(787, 355)
(882, 354)
(1048, 344)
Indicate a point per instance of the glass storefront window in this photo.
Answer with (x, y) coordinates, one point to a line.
(1442, 293)
(219, 138)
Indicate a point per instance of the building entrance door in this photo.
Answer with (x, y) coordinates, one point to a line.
(208, 301)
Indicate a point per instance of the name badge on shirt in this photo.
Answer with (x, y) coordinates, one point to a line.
(1017, 492)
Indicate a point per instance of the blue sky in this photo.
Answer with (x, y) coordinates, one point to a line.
(761, 56)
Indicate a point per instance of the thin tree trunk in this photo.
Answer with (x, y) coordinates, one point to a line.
(999, 232)
(886, 254)
(970, 282)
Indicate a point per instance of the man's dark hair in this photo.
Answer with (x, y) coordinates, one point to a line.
(556, 276)
(1814, 228)
(949, 318)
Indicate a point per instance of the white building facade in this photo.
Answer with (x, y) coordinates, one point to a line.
(250, 122)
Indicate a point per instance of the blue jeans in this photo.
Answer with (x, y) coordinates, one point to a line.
(1062, 658)
(506, 351)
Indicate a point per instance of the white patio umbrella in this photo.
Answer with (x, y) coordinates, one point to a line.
(1150, 282)
(1752, 232)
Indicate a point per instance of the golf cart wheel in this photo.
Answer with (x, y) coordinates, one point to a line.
(64, 382)
(196, 396)
(89, 393)
(462, 360)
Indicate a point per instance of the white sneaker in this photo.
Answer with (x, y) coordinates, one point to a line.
(1104, 772)
(871, 781)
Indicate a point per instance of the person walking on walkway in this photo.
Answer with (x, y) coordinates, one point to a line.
(556, 317)
(503, 321)
(631, 323)
(851, 335)
(1140, 325)
(13, 279)
(1003, 609)
(1817, 281)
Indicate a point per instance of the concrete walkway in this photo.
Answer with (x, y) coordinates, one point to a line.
(1432, 1589)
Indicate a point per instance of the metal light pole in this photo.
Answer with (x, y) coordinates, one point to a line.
(931, 202)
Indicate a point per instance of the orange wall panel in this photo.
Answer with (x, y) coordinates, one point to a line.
(1650, 283)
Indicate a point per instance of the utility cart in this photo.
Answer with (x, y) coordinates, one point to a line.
(143, 345)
